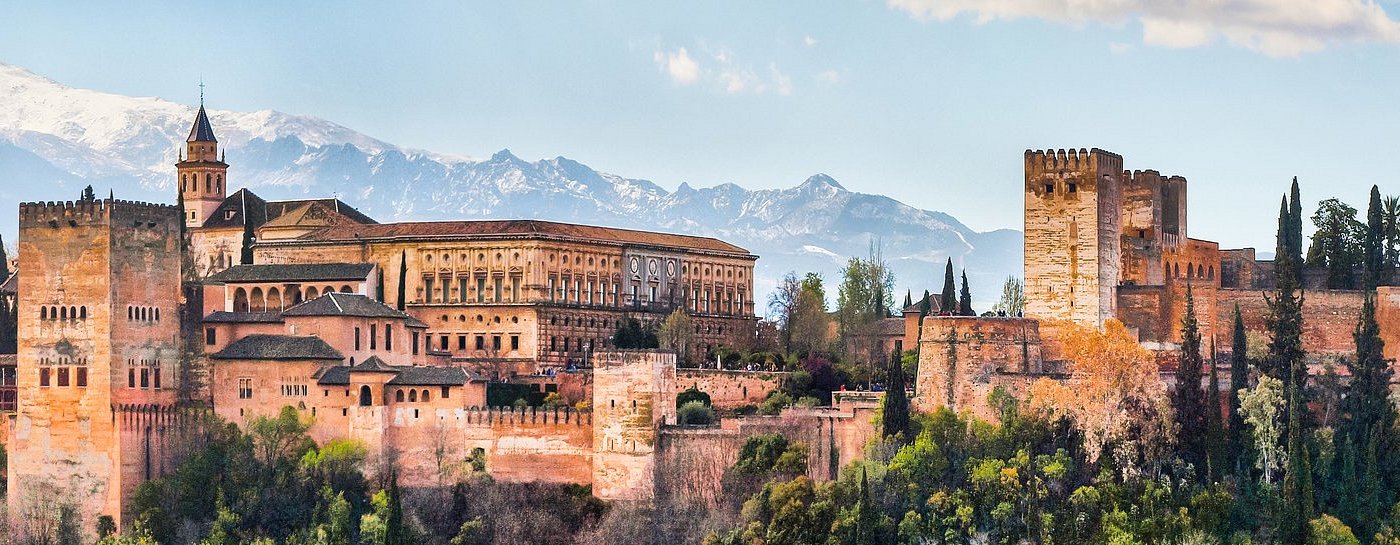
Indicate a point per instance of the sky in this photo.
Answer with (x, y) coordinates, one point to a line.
(931, 102)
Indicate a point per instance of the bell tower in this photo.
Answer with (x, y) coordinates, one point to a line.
(201, 171)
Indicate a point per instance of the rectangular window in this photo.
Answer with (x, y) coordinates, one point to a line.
(1049, 189)
(652, 297)
(145, 378)
(357, 338)
(82, 377)
(442, 342)
(480, 342)
(245, 388)
(462, 289)
(498, 286)
(446, 392)
(495, 342)
(551, 289)
(62, 376)
(373, 337)
(155, 374)
(1073, 187)
(131, 378)
(514, 289)
(43, 376)
(428, 289)
(209, 336)
(388, 337)
(415, 343)
(480, 289)
(515, 342)
(461, 342)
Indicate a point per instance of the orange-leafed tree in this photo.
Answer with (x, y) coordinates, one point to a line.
(1113, 395)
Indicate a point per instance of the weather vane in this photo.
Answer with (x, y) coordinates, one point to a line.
(201, 90)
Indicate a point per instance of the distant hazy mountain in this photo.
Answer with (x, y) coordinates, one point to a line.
(55, 139)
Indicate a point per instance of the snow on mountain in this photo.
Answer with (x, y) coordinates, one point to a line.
(55, 139)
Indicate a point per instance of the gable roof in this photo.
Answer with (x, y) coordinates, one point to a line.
(244, 203)
(294, 272)
(372, 364)
(225, 317)
(278, 347)
(277, 209)
(934, 303)
(351, 304)
(430, 376)
(521, 229)
(236, 208)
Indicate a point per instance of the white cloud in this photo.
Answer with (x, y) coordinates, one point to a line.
(721, 72)
(829, 76)
(1279, 28)
(809, 41)
(682, 69)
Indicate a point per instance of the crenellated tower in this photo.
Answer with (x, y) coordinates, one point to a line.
(1072, 234)
(98, 342)
(201, 172)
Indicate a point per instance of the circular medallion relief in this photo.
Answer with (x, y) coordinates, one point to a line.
(636, 266)
(651, 266)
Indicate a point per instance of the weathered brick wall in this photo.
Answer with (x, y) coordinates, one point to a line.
(1388, 316)
(634, 394)
(1146, 311)
(691, 461)
(962, 359)
(1142, 228)
(1073, 207)
(730, 389)
(1329, 319)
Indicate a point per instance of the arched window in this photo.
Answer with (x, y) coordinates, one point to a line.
(413, 395)
(346, 289)
(208, 183)
(184, 182)
(73, 312)
(274, 299)
(219, 183)
(82, 312)
(311, 293)
(63, 312)
(398, 396)
(366, 398)
(256, 301)
(157, 311)
(240, 300)
(327, 289)
(1212, 272)
(43, 313)
(425, 396)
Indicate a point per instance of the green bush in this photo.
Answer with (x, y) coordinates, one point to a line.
(774, 404)
(690, 395)
(695, 413)
(1327, 530)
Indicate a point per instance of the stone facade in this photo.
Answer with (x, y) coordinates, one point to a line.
(962, 359)
(1072, 234)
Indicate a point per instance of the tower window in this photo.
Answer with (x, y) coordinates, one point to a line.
(1073, 187)
(1049, 189)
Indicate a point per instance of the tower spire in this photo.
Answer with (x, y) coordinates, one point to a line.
(201, 91)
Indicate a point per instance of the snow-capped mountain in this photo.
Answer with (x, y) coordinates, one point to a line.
(56, 139)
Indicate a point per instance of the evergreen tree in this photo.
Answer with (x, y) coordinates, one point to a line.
(1187, 399)
(1369, 409)
(396, 531)
(403, 278)
(965, 298)
(895, 416)
(88, 194)
(949, 301)
(1297, 480)
(1373, 242)
(246, 256)
(1285, 317)
(1214, 432)
(925, 305)
(1295, 233)
(908, 299)
(4, 261)
(1239, 380)
(867, 515)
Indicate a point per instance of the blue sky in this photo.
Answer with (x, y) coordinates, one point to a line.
(929, 101)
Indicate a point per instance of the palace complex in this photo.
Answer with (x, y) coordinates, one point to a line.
(139, 321)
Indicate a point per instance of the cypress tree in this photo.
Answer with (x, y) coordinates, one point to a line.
(1187, 398)
(1373, 244)
(867, 515)
(949, 302)
(246, 257)
(908, 299)
(965, 298)
(1297, 480)
(1239, 380)
(1368, 404)
(895, 416)
(395, 532)
(1295, 233)
(403, 278)
(1285, 317)
(925, 305)
(1214, 432)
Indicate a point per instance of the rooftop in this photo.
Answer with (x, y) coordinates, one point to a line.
(350, 304)
(202, 131)
(225, 317)
(299, 272)
(520, 228)
(278, 347)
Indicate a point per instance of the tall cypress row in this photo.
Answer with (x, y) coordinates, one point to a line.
(965, 298)
(1369, 409)
(895, 413)
(1373, 243)
(403, 278)
(1297, 480)
(1214, 432)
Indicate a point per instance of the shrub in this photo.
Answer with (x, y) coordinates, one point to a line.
(774, 404)
(690, 395)
(807, 402)
(695, 413)
(1327, 530)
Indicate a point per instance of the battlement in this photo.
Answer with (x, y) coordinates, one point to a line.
(524, 416)
(625, 357)
(73, 213)
(981, 329)
(1051, 159)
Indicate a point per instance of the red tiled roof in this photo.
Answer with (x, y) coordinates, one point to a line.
(519, 228)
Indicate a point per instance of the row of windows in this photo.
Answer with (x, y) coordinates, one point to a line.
(481, 319)
(1070, 187)
(480, 342)
(62, 313)
(149, 378)
(212, 183)
(1192, 271)
(414, 396)
(578, 344)
(143, 314)
(500, 291)
(256, 300)
(298, 390)
(64, 376)
(388, 338)
(245, 391)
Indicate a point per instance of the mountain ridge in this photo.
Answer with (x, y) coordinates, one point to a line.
(57, 138)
